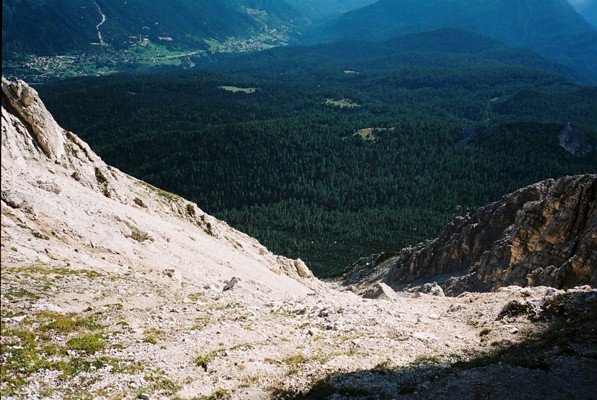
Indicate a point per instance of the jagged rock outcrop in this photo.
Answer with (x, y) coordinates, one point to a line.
(553, 242)
(25, 104)
(543, 234)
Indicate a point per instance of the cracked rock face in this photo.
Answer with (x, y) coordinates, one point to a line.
(44, 130)
(543, 234)
(552, 242)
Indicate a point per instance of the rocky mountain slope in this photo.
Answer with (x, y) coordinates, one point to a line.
(114, 289)
(56, 188)
(544, 234)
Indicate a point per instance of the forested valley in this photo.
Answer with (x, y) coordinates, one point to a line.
(336, 160)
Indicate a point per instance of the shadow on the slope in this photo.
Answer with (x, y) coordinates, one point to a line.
(565, 350)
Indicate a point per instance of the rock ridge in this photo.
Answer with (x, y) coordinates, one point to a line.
(43, 129)
(543, 234)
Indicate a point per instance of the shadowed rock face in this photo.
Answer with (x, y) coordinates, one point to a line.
(543, 234)
(574, 141)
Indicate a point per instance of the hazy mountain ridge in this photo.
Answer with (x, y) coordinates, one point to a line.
(140, 36)
(552, 28)
(318, 11)
(587, 8)
(445, 47)
(500, 19)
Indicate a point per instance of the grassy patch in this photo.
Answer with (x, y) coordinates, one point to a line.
(366, 134)
(201, 322)
(294, 359)
(214, 46)
(429, 359)
(484, 332)
(70, 344)
(21, 363)
(219, 394)
(26, 352)
(152, 335)
(235, 89)
(242, 346)
(228, 306)
(284, 314)
(342, 103)
(67, 323)
(371, 134)
(20, 293)
(203, 360)
(196, 296)
(383, 366)
(87, 342)
(159, 382)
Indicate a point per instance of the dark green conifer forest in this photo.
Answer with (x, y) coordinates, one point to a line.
(336, 160)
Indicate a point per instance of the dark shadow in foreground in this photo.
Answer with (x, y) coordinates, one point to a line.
(558, 363)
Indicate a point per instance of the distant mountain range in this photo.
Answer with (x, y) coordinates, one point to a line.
(103, 36)
(586, 8)
(551, 27)
(446, 47)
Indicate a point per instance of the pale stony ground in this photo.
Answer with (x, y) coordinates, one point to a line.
(113, 289)
(250, 347)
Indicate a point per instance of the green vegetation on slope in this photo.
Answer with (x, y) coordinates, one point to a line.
(70, 25)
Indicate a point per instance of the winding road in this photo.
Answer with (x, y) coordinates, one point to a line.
(99, 33)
